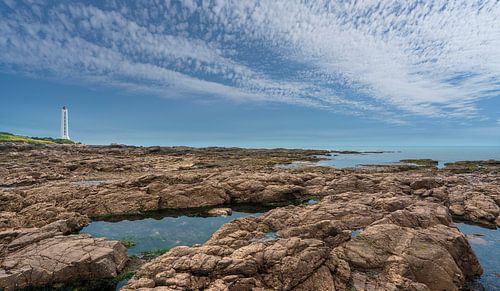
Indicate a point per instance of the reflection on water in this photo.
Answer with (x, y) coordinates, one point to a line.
(486, 245)
(88, 183)
(394, 155)
(167, 228)
(272, 235)
(120, 284)
(312, 201)
(296, 165)
(355, 232)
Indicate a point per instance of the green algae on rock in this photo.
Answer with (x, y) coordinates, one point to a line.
(421, 162)
(471, 166)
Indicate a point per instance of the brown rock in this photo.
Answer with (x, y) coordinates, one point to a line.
(414, 248)
(390, 256)
(426, 183)
(40, 201)
(62, 259)
(220, 212)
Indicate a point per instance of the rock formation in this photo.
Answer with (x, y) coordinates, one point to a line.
(415, 247)
(403, 213)
(49, 255)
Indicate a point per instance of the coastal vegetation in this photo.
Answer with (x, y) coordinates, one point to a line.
(10, 137)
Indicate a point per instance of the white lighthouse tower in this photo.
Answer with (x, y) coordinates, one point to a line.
(64, 123)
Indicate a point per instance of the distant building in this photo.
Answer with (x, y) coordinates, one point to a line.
(64, 123)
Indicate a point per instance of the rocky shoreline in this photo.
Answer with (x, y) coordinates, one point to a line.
(408, 240)
(413, 248)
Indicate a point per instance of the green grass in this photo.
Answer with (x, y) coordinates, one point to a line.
(6, 136)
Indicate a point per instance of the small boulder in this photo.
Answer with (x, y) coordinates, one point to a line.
(220, 212)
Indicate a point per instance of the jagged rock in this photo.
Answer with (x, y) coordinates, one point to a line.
(413, 247)
(355, 210)
(38, 215)
(62, 259)
(425, 183)
(419, 215)
(475, 206)
(141, 181)
(13, 240)
(283, 264)
(40, 203)
(391, 257)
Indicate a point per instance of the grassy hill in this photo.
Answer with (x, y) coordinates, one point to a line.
(6, 136)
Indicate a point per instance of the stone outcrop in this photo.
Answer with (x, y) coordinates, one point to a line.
(157, 178)
(239, 255)
(412, 246)
(403, 212)
(15, 239)
(416, 248)
(390, 257)
(50, 255)
(38, 215)
(62, 259)
(475, 206)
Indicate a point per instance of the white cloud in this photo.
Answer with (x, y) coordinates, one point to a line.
(401, 53)
(62, 50)
(385, 60)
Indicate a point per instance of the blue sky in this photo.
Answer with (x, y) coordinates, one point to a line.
(253, 73)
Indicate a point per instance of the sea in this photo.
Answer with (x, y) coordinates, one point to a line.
(392, 155)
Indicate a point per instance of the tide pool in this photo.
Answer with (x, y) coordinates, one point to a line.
(165, 229)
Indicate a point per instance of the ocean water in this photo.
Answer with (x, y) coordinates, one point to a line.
(392, 155)
(486, 245)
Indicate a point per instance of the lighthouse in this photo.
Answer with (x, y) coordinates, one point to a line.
(64, 123)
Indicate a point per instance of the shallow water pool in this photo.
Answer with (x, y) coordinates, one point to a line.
(164, 229)
(486, 244)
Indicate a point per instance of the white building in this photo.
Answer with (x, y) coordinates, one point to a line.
(64, 123)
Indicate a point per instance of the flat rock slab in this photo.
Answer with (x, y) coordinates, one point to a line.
(62, 259)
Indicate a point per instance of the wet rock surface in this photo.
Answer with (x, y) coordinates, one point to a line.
(405, 213)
